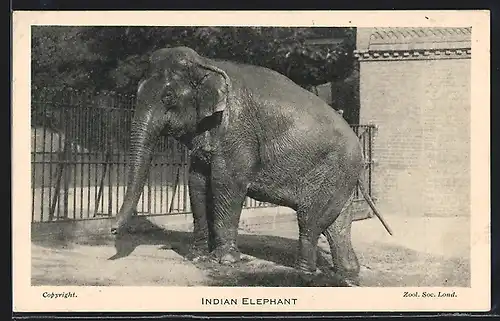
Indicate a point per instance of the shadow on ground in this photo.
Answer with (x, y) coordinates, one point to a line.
(269, 260)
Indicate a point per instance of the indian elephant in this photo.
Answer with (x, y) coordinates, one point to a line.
(251, 132)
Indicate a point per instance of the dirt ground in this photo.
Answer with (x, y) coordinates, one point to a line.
(423, 252)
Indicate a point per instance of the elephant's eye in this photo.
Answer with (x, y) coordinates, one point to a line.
(168, 98)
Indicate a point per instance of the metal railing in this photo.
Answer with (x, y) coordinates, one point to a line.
(365, 134)
(79, 152)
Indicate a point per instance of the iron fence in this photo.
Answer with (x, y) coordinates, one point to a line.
(79, 152)
(365, 134)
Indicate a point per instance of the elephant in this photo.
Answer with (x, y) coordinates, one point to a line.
(251, 131)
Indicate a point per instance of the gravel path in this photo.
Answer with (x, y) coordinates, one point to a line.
(427, 252)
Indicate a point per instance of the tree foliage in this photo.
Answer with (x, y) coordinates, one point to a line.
(115, 58)
(94, 60)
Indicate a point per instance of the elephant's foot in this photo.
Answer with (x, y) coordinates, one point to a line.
(306, 267)
(349, 282)
(120, 229)
(311, 278)
(125, 229)
(198, 253)
(320, 278)
(122, 225)
(348, 272)
(314, 276)
(226, 254)
(308, 272)
(347, 277)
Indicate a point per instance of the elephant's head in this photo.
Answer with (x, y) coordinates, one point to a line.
(181, 90)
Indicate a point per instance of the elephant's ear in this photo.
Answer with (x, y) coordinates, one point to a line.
(215, 91)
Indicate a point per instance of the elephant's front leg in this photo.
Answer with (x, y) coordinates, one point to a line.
(229, 192)
(200, 206)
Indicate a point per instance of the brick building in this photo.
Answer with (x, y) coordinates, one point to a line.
(415, 87)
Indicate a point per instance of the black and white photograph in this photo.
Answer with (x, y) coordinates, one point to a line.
(271, 157)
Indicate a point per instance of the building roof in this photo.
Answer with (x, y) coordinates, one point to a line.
(413, 38)
(422, 34)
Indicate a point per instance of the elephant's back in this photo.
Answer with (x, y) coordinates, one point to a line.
(269, 83)
(276, 92)
(288, 110)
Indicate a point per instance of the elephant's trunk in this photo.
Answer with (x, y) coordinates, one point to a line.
(142, 141)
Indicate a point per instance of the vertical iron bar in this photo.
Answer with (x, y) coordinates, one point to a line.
(80, 156)
(363, 130)
(102, 158)
(155, 169)
(149, 189)
(116, 103)
(185, 179)
(356, 190)
(61, 165)
(110, 169)
(153, 175)
(67, 172)
(142, 198)
(103, 154)
(56, 192)
(154, 187)
(179, 195)
(96, 165)
(174, 191)
(67, 167)
(33, 174)
(101, 187)
(51, 161)
(88, 156)
(74, 153)
(370, 167)
(126, 151)
(96, 154)
(117, 154)
(161, 173)
(42, 191)
(168, 172)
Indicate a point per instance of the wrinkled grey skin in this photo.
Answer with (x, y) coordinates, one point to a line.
(252, 132)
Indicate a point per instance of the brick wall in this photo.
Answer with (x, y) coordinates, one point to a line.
(422, 145)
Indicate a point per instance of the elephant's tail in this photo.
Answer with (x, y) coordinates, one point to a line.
(372, 206)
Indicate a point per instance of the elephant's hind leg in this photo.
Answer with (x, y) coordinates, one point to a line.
(312, 222)
(316, 218)
(344, 259)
